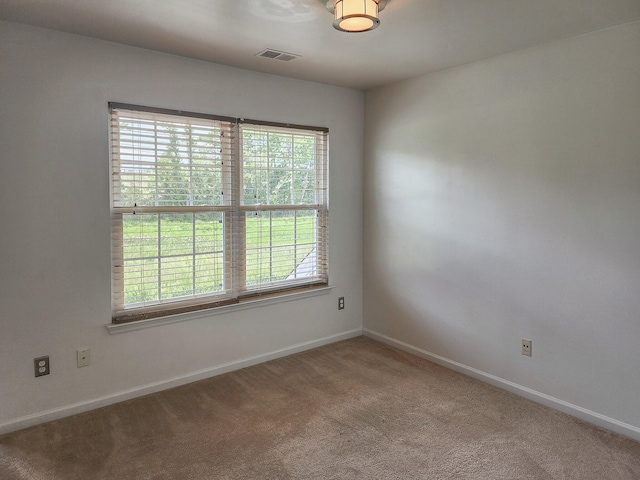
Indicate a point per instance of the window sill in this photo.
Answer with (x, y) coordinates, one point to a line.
(114, 329)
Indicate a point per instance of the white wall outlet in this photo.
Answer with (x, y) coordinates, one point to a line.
(526, 347)
(84, 358)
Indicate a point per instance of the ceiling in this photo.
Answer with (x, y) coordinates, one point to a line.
(416, 37)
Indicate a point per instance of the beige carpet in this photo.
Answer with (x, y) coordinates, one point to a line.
(352, 410)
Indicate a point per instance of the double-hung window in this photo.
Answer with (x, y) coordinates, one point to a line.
(210, 211)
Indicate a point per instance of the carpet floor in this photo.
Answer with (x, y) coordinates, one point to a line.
(356, 409)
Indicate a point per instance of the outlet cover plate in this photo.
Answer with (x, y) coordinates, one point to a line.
(41, 366)
(84, 358)
(526, 347)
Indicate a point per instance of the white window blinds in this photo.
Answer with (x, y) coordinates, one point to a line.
(208, 211)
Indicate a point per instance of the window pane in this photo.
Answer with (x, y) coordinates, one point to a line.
(208, 273)
(304, 182)
(169, 256)
(278, 168)
(280, 150)
(140, 252)
(168, 163)
(280, 246)
(209, 248)
(140, 280)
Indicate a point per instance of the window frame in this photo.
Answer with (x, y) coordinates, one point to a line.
(233, 211)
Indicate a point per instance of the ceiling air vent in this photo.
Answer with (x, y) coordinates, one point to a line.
(277, 55)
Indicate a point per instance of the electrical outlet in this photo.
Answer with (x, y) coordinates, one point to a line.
(526, 347)
(41, 366)
(84, 358)
(341, 303)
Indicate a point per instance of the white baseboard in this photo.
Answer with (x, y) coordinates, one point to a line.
(538, 397)
(80, 407)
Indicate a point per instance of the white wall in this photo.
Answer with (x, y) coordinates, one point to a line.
(54, 217)
(502, 200)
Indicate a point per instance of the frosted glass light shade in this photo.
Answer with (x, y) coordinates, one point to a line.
(356, 15)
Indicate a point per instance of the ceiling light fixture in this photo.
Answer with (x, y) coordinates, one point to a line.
(356, 15)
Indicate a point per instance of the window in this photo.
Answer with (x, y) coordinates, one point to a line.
(210, 211)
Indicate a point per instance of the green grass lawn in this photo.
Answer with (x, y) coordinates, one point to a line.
(170, 256)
